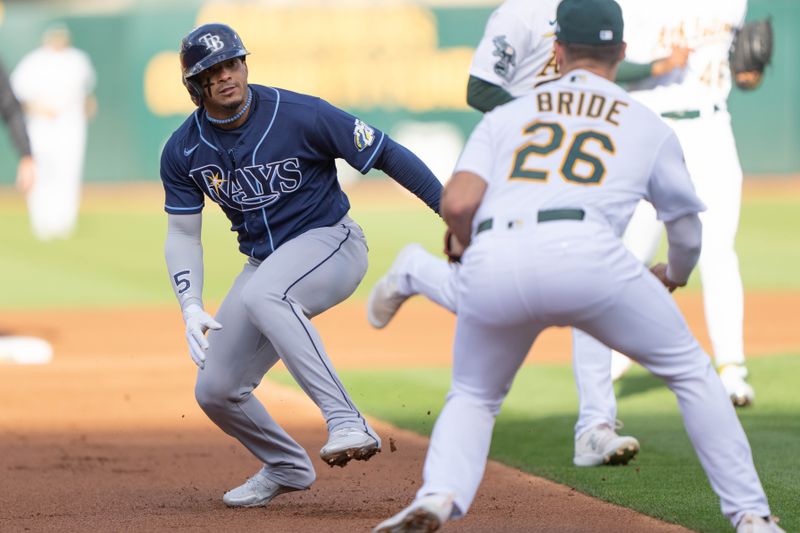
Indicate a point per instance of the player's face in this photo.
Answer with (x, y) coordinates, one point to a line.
(225, 86)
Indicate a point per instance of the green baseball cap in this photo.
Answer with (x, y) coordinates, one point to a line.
(594, 22)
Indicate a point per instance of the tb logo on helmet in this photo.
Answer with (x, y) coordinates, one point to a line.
(212, 42)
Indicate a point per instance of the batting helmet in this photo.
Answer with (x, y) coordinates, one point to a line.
(204, 47)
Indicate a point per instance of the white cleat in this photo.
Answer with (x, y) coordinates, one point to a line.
(740, 391)
(257, 491)
(601, 445)
(345, 444)
(424, 515)
(620, 364)
(751, 523)
(385, 298)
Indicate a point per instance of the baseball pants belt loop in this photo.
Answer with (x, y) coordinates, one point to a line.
(545, 215)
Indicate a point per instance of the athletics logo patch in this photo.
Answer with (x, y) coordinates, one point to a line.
(507, 55)
(363, 135)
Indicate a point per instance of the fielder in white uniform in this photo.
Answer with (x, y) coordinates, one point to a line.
(54, 84)
(560, 172)
(693, 101)
(515, 53)
(514, 56)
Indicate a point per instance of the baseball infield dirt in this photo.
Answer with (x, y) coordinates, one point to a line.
(108, 437)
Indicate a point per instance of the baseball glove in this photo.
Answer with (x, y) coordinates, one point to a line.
(751, 53)
(453, 249)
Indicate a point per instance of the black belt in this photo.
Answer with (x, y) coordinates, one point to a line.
(686, 114)
(545, 215)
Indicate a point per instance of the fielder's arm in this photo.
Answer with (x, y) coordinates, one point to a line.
(671, 191)
(460, 200)
(630, 72)
(685, 238)
(485, 96)
(11, 111)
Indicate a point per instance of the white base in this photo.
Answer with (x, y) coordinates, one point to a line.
(25, 350)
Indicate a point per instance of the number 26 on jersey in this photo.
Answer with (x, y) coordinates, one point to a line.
(578, 166)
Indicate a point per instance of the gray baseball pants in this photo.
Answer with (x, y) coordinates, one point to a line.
(265, 317)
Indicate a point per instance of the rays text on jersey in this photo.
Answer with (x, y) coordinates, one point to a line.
(251, 187)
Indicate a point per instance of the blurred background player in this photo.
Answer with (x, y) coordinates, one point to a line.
(692, 99)
(54, 84)
(20, 349)
(14, 118)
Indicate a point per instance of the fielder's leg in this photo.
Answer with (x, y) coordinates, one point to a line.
(642, 237)
(713, 163)
(593, 362)
(485, 360)
(414, 271)
(657, 336)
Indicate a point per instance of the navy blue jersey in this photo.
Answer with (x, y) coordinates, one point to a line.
(279, 179)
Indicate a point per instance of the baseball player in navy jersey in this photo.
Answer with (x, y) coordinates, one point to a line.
(266, 157)
(560, 172)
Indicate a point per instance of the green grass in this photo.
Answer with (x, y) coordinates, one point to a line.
(769, 250)
(116, 257)
(766, 243)
(534, 433)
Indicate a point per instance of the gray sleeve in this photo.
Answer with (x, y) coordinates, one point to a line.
(685, 239)
(12, 114)
(183, 251)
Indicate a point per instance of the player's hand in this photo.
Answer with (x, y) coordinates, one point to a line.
(677, 59)
(660, 271)
(750, 79)
(26, 174)
(453, 248)
(197, 323)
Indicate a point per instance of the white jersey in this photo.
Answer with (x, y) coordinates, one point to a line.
(516, 51)
(59, 80)
(578, 142)
(653, 28)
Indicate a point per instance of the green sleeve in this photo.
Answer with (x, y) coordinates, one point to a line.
(629, 72)
(485, 96)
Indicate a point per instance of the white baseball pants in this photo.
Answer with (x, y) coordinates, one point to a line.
(581, 275)
(58, 147)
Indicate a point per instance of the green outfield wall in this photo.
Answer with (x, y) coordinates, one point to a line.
(391, 63)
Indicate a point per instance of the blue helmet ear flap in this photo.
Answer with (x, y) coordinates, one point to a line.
(195, 90)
